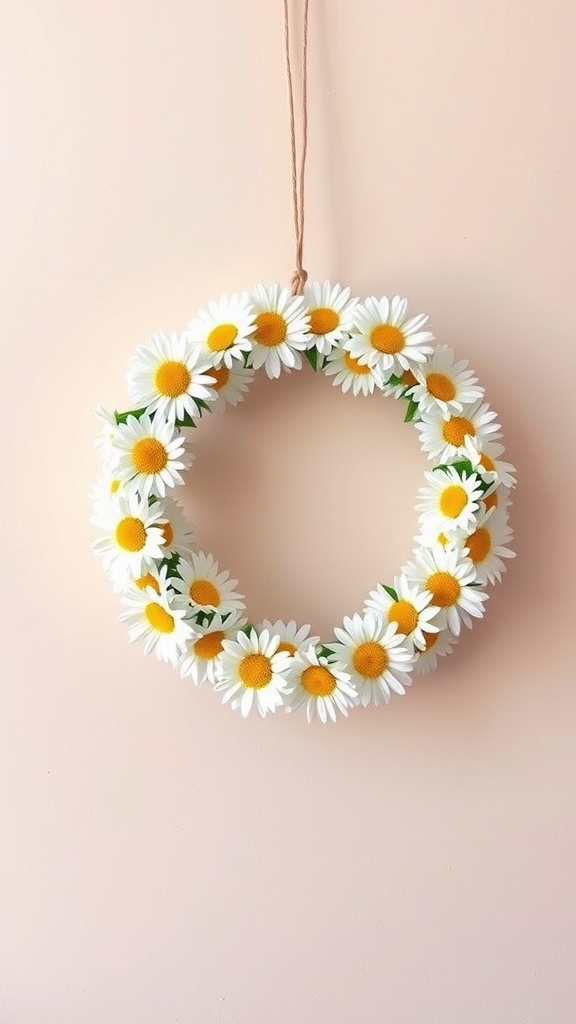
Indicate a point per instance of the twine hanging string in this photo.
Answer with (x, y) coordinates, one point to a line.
(299, 277)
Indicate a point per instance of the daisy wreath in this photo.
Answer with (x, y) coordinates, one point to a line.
(187, 610)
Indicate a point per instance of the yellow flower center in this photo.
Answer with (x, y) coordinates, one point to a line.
(487, 462)
(408, 378)
(318, 681)
(444, 587)
(172, 378)
(270, 329)
(167, 533)
(440, 386)
(204, 592)
(387, 338)
(479, 544)
(221, 376)
(323, 320)
(131, 534)
(455, 429)
(255, 671)
(353, 365)
(285, 645)
(442, 539)
(453, 500)
(405, 614)
(222, 337)
(430, 640)
(209, 645)
(114, 485)
(370, 659)
(147, 581)
(149, 455)
(492, 500)
(159, 618)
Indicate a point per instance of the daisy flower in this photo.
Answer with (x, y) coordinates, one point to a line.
(437, 646)
(444, 437)
(253, 673)
(169, 376)
(101, 492)
(400, 387)
(411, 610)
(151, 453)
(230, 384)
(350, 373)
(486, 546)
(321, 685)
(224, 331)
(103, 445)
(331, 314)
(488, 464)
(376, 656)
(281, 332)
(448, 577)
(133, 535)
(176, 532)
(497, 497)
(202, 658)
(450, 502)
(208, 589)
(290, 638)
(386, 339)
(159, 620)
(445, 384)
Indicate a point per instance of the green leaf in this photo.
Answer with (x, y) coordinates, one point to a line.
(411, 411)
(121, 417)
(326, 652)
(312, 357)
(390, 591)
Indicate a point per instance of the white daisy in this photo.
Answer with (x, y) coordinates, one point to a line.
(497, 497)
(386, 339)
(159, 620)
(350, 373)
(230, 384)
(252, 675)
(291, 638)
(281, 331)
(133, 536)
(445, 383)
(331, 314)
(400, 387)
(444, 438)
(488, 464)
(376, 656)
(151, 453)
(176, 531)
(224, 331)
(169, 376)
(450, 502)
(437, 646)
(486, 546)
(104, 489)
(103, 445)
(205, 587)
(202, 659)
(321, 685)
(411, 609)
(449, 578)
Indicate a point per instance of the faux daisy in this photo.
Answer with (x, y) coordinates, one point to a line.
(169, 376)
(281, 331)
(448, 577)
(437, 646)
(488, 463)
(411, 609)
(176, 532)
(133, 536)
(159, 620)
(253, 673)
(444, 437)
(449, 502)
(291, 638)
(202, 658)
(375, 655)
(445, 383)
(486, 546)
(230, 384)
(349, 373)
(331, 313)
(151, 455)
(208, 589)
(223, 331)
(385, 338)
(320, 685)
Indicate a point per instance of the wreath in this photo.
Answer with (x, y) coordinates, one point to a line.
(179, 602)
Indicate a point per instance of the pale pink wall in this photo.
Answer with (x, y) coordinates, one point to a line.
(162, 860)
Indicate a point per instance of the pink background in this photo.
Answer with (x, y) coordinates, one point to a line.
(162, 860)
